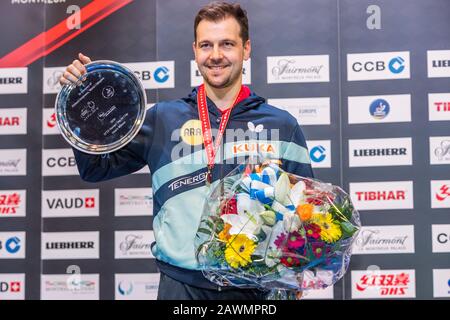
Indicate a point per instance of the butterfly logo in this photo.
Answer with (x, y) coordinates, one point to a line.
(251, 126)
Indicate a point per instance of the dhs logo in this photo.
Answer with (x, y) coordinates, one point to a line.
(378, 66)
(379, 109)
(319, 153)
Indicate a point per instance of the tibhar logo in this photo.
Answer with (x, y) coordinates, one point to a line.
(442, 106)
(439, 106)
(9, 121)
(13, 121)
(382, 195)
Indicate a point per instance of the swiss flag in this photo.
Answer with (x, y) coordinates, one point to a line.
(89, 202)
(15, 286)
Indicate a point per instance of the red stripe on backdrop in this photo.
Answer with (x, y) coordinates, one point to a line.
(50, 40)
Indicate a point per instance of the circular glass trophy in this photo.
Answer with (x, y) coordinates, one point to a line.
(104, 110)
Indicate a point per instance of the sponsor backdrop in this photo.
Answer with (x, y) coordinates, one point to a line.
(369, 86)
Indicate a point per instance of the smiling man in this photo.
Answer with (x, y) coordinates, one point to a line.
(223, 105)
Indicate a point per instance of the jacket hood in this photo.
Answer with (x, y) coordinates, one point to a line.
(245, 105)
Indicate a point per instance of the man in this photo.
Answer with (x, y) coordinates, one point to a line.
(221, 45)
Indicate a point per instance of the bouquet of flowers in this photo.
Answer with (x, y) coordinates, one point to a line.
(269, 229)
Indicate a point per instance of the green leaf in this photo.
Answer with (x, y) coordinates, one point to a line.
(348, 229)
(210, 224)
(205, 231)
(261, 236)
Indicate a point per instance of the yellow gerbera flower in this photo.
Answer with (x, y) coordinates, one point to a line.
(329, 230)
(238, 251)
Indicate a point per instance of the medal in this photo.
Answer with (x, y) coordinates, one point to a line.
(203, 114)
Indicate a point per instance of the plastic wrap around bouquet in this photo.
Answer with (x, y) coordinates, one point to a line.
(269, 229)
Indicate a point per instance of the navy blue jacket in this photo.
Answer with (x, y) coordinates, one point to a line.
(170, 144)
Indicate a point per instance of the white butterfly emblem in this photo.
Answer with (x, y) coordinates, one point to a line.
(256, 129)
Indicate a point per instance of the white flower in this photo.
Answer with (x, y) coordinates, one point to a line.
(282, 189)
(296, 194)
(247, 221)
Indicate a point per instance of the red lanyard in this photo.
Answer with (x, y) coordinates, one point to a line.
(206, 125)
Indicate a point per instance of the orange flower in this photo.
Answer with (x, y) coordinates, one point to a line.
(224, 235)
(305, 211)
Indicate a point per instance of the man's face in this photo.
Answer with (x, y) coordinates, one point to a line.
(219, 52)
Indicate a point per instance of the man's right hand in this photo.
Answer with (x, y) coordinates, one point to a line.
(75, 70)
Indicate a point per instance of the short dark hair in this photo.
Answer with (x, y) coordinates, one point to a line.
(220, 10)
